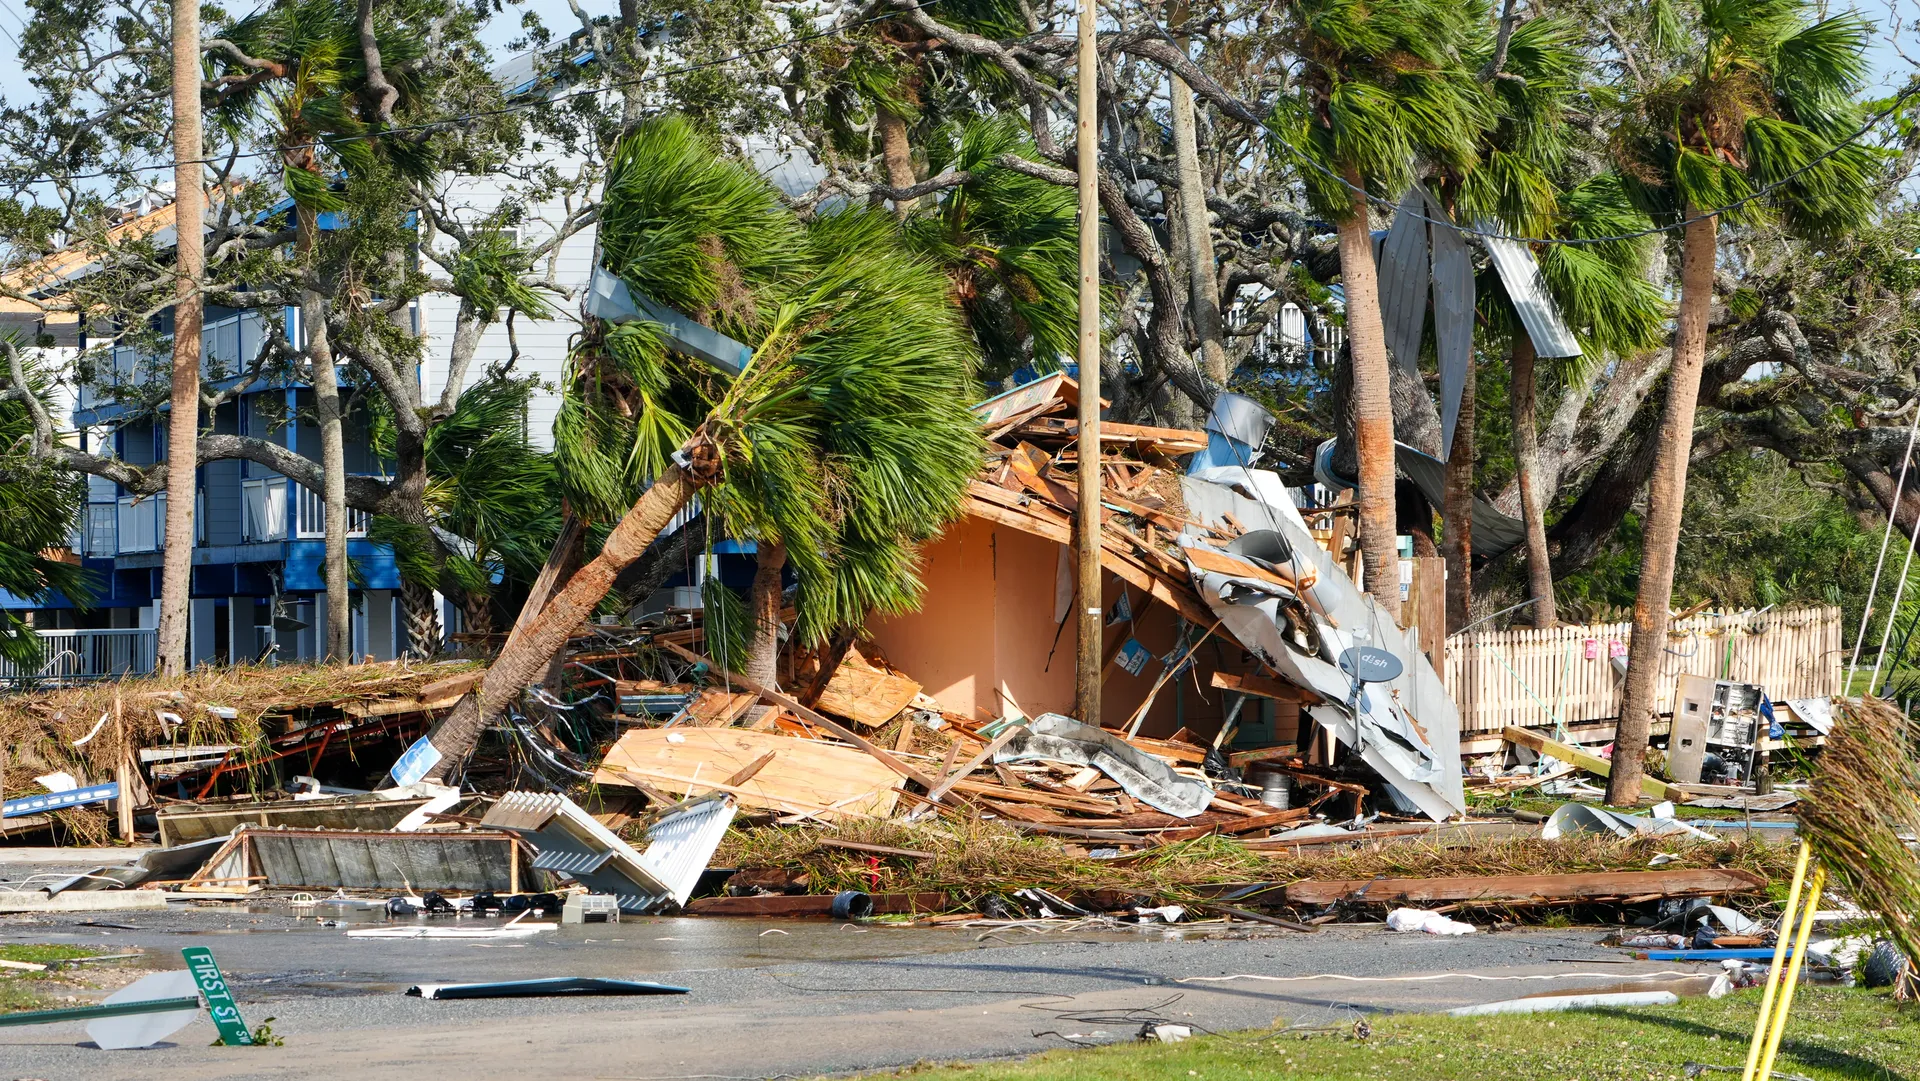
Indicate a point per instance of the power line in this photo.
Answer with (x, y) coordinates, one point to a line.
(484, 114)
(1872, 122)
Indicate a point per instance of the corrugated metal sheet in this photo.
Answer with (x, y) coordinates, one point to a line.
(1403, 281)
(1452, 318)
(572, 843)
(1527, 289)
(355, 860)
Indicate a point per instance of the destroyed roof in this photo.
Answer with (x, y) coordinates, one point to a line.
(1226, 545)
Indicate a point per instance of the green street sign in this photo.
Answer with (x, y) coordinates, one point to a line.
(220, 1004)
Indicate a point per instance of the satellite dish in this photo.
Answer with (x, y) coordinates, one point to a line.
(1367, 664)
(147, 1029)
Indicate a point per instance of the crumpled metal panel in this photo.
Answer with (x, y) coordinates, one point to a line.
(572, 842)
(1452, 319)
(1403, 281)
(1423, 772)
(1527, 289)
(1494, 531)
(1051, 737)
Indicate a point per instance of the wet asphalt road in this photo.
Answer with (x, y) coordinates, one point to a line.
(768, 997)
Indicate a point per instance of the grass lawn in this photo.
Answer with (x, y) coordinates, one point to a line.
(1833, 1034)
(22, 990)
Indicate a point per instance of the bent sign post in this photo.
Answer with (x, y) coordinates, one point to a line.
(220, 1004)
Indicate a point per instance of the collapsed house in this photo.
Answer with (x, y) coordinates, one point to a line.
(1227, 613)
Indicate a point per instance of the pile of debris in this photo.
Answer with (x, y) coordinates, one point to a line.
(1283, 715)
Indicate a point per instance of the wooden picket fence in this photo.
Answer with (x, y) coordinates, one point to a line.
(1528, 677)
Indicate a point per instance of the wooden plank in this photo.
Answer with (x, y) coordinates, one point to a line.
(877, 850)
(1210, 559)
(716, 707)
(1264, 687)
(1594, 764)
(1520, 888)
(806, 776)
(1083, 804)
(1240, 825)
(866, 696)
(452, 685)
(885, 758)
(954, 777)
(1263, 754)
(748, 771)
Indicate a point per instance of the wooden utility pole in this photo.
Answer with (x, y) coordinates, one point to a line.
(1086, 696)
(183, 427)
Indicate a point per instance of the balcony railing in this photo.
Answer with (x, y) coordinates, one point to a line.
(141, 524)
(72, 656)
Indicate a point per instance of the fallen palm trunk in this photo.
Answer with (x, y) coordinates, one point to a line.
(534, 642)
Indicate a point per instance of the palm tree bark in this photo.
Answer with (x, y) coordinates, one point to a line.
(183, 426)
(422, 618)
(763, 649)
(1666, 497)
(897, 154)
(1459, 512)
(534, 642)
(1373, 404)
(1526, 452)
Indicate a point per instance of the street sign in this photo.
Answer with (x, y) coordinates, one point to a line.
(220, 1004)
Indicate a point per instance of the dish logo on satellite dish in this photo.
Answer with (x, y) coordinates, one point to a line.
(1367, 664)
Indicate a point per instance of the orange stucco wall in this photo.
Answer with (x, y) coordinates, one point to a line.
(987, 622)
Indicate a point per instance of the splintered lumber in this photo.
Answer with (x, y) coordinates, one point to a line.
(1082, 804)
(1212, 559)
(885, 757)
(802, 776)
(1239, 825)
(877, 850)
(1520, 889)
(1263, 687)
(954, 778)
(866, 696)
(1594, 764)
(452, 686)
(1263, 754)
(715, 708)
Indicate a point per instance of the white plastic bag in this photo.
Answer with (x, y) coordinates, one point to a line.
(1433, 923)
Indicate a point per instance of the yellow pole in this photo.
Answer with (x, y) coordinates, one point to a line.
(1781, 941)
(1794, 966)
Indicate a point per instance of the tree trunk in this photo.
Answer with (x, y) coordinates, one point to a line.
(763, 648)
(1459, 511)
(897, 154)
(523, 659)
(1373, 405)
(1199, 237)
(422, 618)
(477, 614)
(183, 426)
(333, 470)
(1533, 512)
(1666, 498)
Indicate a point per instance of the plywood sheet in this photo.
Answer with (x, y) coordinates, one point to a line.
(804, 776)
(865, 695)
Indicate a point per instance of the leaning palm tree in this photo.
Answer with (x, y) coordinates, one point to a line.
(845, 440)
(303, 77)
(1379, 85)
(1762, 97)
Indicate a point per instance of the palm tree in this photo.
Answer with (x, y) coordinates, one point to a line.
(1761, 95)
(38, 507)
(846, 440)
(1010, 243)
(494, 503)
(1378, 85)
(1602, 289)
(304, 76)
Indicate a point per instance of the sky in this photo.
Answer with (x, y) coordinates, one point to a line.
(1896, 31)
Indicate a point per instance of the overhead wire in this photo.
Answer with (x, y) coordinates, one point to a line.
(512, 108)
(1866, 611)
(1301, 157)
